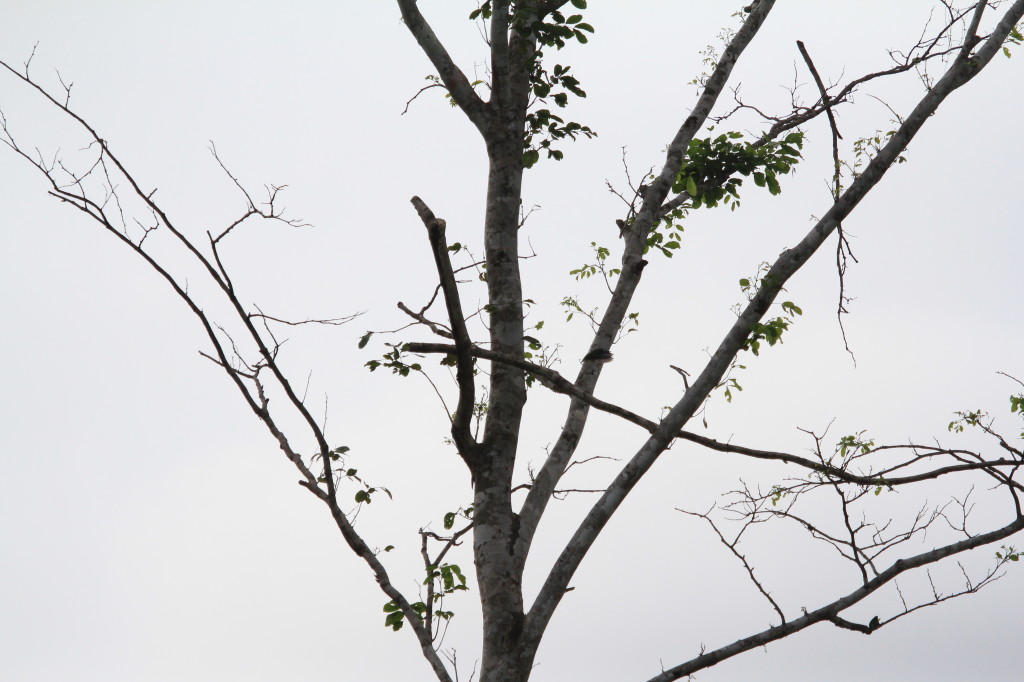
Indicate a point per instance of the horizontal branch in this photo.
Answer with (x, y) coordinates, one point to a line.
(555, 382)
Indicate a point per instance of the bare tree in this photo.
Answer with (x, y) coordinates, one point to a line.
(834, 495)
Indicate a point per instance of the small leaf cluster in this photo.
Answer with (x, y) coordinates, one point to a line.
(1015, 38)
(601, 253)
(572, 306)
(866, 148)
(552, 33)
(532, 342)
(366, 492)
(1009, 553)
(966, 418)
(669, 237)
(542, 126)
(771, 330)
(854, 444)
(1017, 407)
(393, 359)
(450, 579)
(731, 384)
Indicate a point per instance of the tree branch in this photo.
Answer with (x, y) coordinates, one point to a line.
(458, 85)
(461, 425)
(830, 611)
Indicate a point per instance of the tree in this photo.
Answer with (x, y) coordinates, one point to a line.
(493, 377)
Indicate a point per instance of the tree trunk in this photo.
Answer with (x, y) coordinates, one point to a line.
(496, 526)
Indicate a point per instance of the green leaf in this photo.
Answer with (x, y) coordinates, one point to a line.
(365, 339)
(581, 4)
(395, 621)
(691, 186)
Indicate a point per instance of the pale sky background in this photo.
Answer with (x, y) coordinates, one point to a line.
(150, 528)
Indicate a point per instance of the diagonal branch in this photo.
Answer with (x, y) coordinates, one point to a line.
(830, 612)
(458, 85)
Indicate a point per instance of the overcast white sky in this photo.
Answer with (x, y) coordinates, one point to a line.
(150, 530)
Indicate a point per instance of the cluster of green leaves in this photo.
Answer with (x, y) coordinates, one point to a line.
(554, 32)
(866, 148)
(666, 236)
(392, 359)
(854, 444)
(601, 253)
(731, 384)
(967, 418)
(572, 306)
(1017, 404)
(1015, 38)
(532, 342)
(544, 127)
(366, 491)
(710, 176)
(1009, 553)
(449, 578)
(769, 330)
(446, 578)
